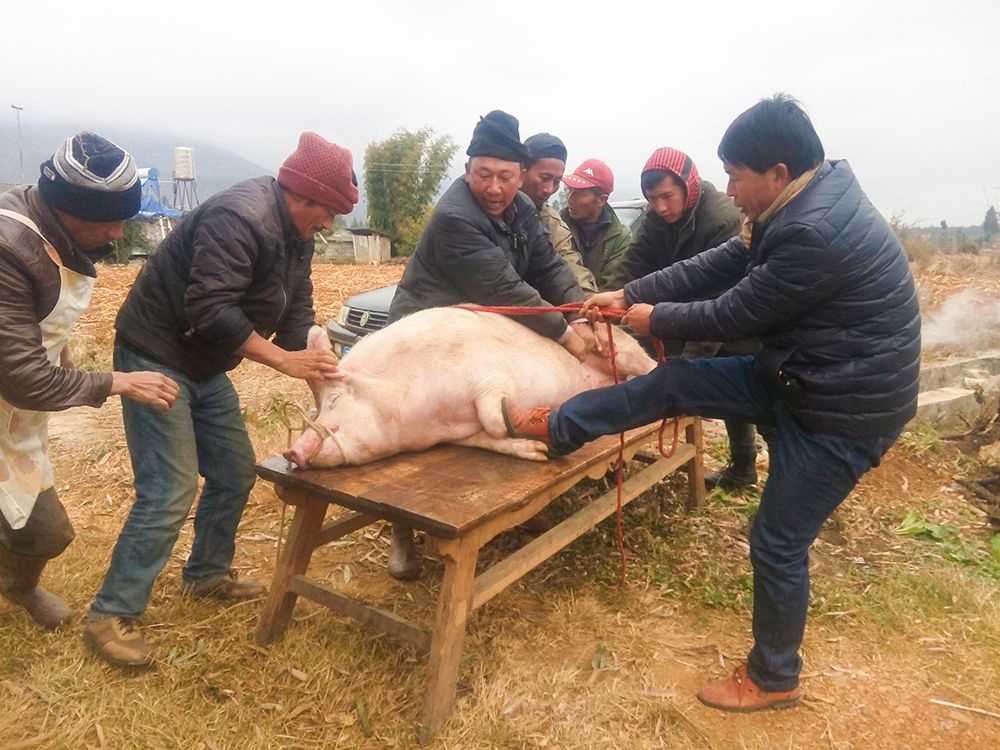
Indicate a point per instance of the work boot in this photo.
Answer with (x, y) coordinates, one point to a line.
(404, 560)
(740, 694)
(520, 423)
(19, 576)
(738, 474)
(741, 471)
(119, 642)
(228, 588)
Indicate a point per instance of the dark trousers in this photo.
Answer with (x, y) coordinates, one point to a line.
(810, 475)
(46, 534)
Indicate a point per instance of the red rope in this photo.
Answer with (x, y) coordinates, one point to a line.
(607, 313)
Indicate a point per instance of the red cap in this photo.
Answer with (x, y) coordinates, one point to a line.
(593, 173)
(321, 171)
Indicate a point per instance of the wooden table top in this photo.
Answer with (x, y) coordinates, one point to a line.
(448, 489)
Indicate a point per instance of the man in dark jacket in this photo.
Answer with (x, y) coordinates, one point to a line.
(50, 235)
(822, 281)
(234, 273)
(485, 244)
(687, 216)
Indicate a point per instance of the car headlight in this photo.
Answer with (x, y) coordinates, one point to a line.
(342, 315)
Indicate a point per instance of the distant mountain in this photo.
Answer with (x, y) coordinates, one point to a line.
(215, 168)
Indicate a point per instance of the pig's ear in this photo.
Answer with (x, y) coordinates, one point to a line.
(318, 340)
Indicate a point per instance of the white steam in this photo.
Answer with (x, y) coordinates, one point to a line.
(967, 320)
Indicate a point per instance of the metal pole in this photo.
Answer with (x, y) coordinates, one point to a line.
(20, 151)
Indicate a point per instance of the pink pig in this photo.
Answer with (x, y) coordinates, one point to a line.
(438, 376)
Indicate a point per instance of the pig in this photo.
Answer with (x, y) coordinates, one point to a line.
(438, 376)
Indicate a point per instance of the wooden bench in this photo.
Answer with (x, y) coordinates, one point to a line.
(463, 497)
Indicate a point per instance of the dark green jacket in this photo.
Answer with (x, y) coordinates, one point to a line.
(610, 244)
(713, 220)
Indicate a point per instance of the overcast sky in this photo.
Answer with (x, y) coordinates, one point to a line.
(908, 92)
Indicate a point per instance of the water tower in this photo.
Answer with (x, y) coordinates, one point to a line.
(185, 186)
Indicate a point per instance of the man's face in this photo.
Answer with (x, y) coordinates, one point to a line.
(667, 199)
(91, 235)
(541, 179)
(493, 182)
(308, 216)
(586, 204)
(752, 191)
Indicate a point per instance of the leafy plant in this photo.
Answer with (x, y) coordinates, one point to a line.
(955, 548)
(920, 439)
(402, 175)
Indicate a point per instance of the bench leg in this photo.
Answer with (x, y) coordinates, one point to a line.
(454, 605)
(301, 542)
(696, 468)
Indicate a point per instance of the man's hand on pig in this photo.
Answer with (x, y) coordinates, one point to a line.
(613, 300)
(574, 343)
(586, 332)
(309, 364)
(637, 318)
(152, 388)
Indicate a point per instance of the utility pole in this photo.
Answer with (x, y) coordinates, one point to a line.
(20, 151)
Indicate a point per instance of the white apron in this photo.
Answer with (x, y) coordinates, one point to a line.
(24, 438)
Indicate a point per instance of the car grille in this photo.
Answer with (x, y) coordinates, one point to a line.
(373, 321)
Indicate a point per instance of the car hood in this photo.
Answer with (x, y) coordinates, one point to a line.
(377, 299)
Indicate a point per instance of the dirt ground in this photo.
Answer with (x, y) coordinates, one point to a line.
(564, 659)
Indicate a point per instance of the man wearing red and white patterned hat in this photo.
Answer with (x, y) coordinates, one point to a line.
(686, 216)
(598, 235)
(232, 275)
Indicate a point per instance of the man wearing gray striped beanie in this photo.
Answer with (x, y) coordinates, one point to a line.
(48, 236)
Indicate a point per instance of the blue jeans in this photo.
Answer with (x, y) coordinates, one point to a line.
(202, 433)
(810, 475)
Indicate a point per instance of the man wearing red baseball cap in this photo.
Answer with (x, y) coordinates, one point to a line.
(232, 275)
(598, 235)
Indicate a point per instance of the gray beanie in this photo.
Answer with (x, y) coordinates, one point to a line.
(91, 178)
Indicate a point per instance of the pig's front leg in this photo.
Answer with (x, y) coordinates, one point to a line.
(532, 450)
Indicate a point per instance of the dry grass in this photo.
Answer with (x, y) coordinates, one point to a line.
(564, 659)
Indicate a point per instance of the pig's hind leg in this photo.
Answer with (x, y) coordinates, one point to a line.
(494, 433)
(532, 450)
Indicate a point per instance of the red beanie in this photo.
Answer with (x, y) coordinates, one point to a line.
(321, 171)
(677, 162)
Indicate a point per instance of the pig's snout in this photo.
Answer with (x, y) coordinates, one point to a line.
(304, 448)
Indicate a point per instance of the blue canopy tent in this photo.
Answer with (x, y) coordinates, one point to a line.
(152, 206)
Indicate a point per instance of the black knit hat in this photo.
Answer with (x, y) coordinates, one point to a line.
(497, 135)
(91, 178)
(545, 146)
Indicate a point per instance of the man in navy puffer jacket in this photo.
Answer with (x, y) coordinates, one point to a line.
(821, 280)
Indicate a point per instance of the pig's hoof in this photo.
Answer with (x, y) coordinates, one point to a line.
(404, 564)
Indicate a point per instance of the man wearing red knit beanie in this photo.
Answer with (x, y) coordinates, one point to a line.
(232, 275)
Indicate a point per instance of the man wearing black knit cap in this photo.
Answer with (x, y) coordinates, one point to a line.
(50, 235)
(485, 244)
(542, 177)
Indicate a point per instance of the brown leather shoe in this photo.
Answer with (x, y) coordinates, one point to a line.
(119, 642)
(229, 588)
(741, 694)
(533, 424)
